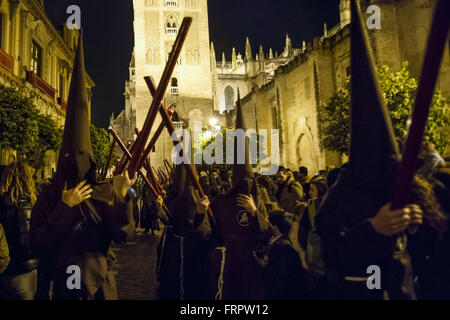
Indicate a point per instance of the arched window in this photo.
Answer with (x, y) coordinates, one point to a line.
(174, 86)
(172, 25)
(229, 98)
(175, 117)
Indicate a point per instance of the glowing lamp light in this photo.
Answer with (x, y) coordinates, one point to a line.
(207, 135)
(213, 121)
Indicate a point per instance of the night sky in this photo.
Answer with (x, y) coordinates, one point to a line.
(108, 31)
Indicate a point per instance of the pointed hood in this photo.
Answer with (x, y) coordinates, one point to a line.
(179, 179)
(76, 159)
(241, 171)
(372, 142)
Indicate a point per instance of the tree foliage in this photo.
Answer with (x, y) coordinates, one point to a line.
(209, 137)
(18, 126)
(49, 138)
(399, 90)
(100, 145)
(25, 130)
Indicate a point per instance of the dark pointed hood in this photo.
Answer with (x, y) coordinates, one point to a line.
(76, 159)
(241, 171)
(182, 206)
(372, 142)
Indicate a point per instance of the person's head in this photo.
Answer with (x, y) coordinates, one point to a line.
(282, 175)
(280, 221)
(426, 198)
(204, 180)
(303, 171)
(317, 189)
(17, 181)
(224, 176)
(214, 174)
(332, 176)
(427, 147)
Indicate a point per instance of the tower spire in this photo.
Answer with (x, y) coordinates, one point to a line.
(262, 58)
(234, 59)
(248, 50)
(213, 57)
(224, 61)
(344, 10)
(288, 46)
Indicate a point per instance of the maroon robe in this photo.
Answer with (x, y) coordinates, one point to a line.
(242, 233)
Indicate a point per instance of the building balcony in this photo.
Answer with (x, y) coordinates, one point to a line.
(174, 91)
(40, 84)
(178, 124)
(6, 60)
(62, 103)
(171, 3)
(171, 30)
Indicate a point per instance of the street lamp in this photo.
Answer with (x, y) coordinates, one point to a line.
(213, 122)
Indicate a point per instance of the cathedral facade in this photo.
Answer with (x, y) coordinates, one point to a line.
(279, 91)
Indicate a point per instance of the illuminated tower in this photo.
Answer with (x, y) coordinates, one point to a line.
(156, 24)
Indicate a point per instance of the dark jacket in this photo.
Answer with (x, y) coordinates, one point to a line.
(16, 223)
(284, 274)
(350, 244)
(63, 237)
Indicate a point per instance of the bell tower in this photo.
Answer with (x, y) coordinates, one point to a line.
(156, 24)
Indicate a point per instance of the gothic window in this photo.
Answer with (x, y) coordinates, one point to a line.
(174, 86)
(36, 58)
(229, 98)
(190, 4)
(196, 57)
(188, 56)
(156, 56)
(61, 85)
(171, 26)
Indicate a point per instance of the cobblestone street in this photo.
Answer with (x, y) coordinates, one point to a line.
(136, 279)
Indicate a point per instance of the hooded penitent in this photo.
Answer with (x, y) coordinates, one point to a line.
(185, 244)
(76, 159)
(349, 242)
(242, 178)
(241, 233)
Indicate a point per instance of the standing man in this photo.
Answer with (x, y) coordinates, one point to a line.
(290, 197)
(75, 219)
